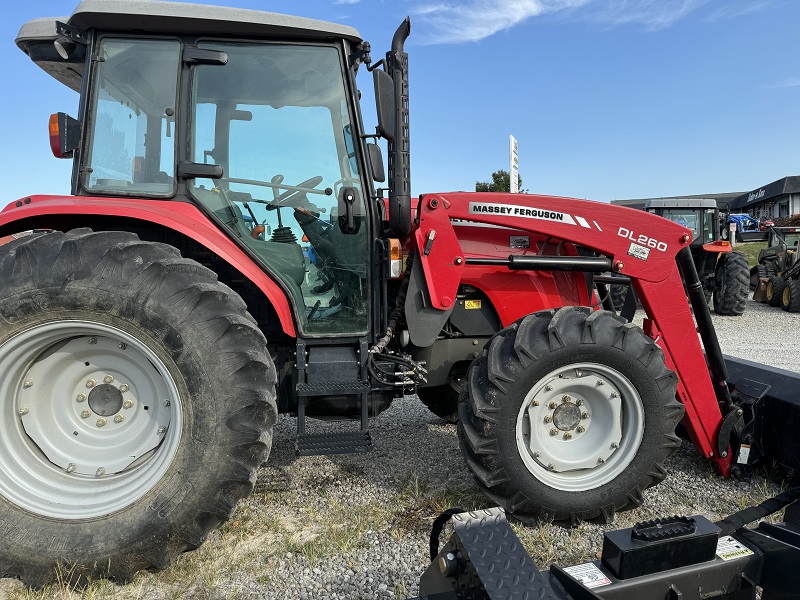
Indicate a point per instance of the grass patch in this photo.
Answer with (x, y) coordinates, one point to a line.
(751, 250)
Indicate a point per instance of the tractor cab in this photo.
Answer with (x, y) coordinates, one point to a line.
(699, 215)
(258, 127)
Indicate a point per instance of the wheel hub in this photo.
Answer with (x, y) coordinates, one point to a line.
(105, 400)
(567, 416)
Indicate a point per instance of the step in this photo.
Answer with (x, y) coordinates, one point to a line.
(350, 442)
(328, 388)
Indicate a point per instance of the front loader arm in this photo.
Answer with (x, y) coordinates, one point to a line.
(637, 244)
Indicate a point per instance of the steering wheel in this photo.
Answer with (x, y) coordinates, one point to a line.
(291, 197)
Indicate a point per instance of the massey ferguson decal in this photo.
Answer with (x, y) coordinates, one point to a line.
(491, 208)
(529, 212)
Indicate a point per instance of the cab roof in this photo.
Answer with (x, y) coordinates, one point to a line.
(36, 37)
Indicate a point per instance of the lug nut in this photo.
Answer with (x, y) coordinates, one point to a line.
(535, 403)
(23, 410)
(579, 402)
(93, 340)
(566, 398)
(537, 454)
(578, 373)
(100, 471)
(122, 345)
(614, 445)
(101, 422)
(108, 379)
(127, 404)
(70, 467)
(614, 395)
(86, 414)
(548, 419)
(600, 460)
(585, 415)
(554, 431)
(124, 388)
(567, 435)
(167, 403)
(580, 429)
(553, 405)
(548, 388)
(551, 467)
(161, 430)
(600, 382)
(90, 383)
(28, 383)
(81, 398)
(118, 419)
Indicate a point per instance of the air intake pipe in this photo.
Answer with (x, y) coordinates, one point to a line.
(399, 152)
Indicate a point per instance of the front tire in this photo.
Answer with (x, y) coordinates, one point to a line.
(137, 401)
(569, 415)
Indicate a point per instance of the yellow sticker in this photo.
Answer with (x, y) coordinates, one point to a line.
(472, 304)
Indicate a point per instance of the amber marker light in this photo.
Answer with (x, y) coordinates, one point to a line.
(396, 259)
(55, 136)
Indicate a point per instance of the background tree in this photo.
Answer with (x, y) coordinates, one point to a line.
(501, 182)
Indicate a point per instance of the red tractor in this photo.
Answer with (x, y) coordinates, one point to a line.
(224, 257)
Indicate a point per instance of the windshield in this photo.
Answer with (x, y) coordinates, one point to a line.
(688, 218)
(132, 146)
(276, 119)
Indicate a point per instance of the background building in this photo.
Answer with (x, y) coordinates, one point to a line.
(778, 199)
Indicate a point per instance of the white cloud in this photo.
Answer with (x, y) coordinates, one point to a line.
(653, 14)
(474, 20)
(738, 9)
(786, 83)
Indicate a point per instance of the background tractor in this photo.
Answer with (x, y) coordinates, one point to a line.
(224, 257)
(777, 263)
(725, 274)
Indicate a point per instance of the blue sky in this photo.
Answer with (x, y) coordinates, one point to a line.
(607, 98)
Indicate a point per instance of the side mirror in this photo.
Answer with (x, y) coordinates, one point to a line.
(376, 162)
(384, 103)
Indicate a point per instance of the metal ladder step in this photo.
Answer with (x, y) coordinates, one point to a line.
(349, 442)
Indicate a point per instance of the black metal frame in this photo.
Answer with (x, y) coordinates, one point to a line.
(674, 559)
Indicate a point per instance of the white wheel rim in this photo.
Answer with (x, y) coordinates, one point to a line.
(91, 419)
(580, 426)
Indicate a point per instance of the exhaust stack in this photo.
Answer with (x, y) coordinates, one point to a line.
(399, 147)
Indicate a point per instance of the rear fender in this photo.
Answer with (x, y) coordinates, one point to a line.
(185, 218)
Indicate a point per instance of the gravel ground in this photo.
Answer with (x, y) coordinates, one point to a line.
(356, 526)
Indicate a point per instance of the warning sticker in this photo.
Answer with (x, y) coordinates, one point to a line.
(519, 241)
(472, 304)
(640, 252)
(589, 575)
(744, 454)
(729, 549)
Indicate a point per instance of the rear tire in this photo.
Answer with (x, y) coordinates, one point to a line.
(137, 400)
(774, 290)
(731, 284)
(790, 296)
(595, 380)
